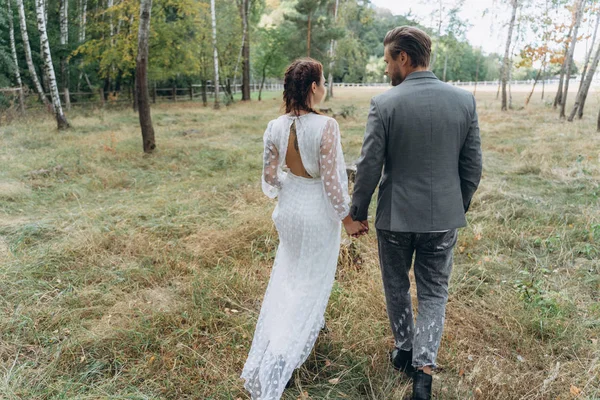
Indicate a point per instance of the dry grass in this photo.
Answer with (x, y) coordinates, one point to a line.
(124, 276)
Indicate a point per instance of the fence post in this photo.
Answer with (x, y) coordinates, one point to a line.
(174, 90)
(191, 92)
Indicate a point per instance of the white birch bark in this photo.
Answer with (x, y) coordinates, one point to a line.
(507, 57)
(585, 87)
(13, 51)
(141, 78)
(569, 60)
(64, 41)
(49, 67)
(28, 58)
(215, 51)
(332, 56)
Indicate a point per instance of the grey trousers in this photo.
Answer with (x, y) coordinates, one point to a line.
(433, 265)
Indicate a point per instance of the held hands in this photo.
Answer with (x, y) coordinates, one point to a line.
(355, 228)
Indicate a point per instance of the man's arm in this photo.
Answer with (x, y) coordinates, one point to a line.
(369, 165)
(470, 161)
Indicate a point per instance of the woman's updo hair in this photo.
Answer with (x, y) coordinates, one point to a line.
(297, 84)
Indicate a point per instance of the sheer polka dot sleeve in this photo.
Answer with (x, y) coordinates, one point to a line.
(333, 169)
(271, 182)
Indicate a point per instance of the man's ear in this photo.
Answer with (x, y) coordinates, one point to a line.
(403, 58)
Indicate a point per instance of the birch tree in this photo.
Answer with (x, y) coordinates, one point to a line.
(585, 87)
(569, 61)
(215, 52)
(49, 67)
(141, 78)
(505, 64)
(28, 58)
(13, 50)
(244, 7)
(64, 41)
(332, 55)
(588, 55)
(444, 15)
(82, 33)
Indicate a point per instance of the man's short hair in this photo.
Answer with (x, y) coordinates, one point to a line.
(412, 41)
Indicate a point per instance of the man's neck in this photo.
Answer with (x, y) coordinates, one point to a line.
(419, 69)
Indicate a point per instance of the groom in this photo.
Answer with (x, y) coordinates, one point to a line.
(423, 135)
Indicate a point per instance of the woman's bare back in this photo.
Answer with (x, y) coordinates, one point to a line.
(293, 159)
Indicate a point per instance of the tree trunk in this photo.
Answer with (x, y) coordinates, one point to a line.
(204, 96)
(141, 78)
(445, 67)
(64, 41)
(439, 35)
(136, 103)
(537, 77)
(578, 16)
(228, 91)
(82, 20)
(477, 72)
(332, 56)
(588, 56)
(215, 52)
(82, 26)
(559, 93)
(49, 67)
(245, 5)
(308, 35)
(109, 5)
(13, 51)
(28, 58)
(262, 82)
(107, 85)
(510, 107)
(505, 68)
(544, 75)
(584, 88)
(87, 80)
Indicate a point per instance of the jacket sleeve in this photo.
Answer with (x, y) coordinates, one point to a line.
(370, 164)
(470, 161)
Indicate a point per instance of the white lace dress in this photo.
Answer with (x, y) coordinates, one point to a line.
(307, 218)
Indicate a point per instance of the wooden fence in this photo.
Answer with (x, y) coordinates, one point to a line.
(194, 92)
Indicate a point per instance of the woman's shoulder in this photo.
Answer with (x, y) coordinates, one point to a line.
(313, 120)
(322, 121)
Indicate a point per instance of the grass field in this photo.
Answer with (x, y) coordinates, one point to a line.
(125, 276)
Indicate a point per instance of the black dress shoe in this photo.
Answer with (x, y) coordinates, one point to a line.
(402, 361)
(421, 386)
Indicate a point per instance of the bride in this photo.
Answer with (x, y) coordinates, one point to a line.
(313, 199)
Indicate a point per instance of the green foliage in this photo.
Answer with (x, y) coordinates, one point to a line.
(6, 63)
(317, 15)
(178, 30)
(181, 50)
(270, 57)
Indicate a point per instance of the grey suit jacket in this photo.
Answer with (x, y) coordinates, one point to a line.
(424, 136)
